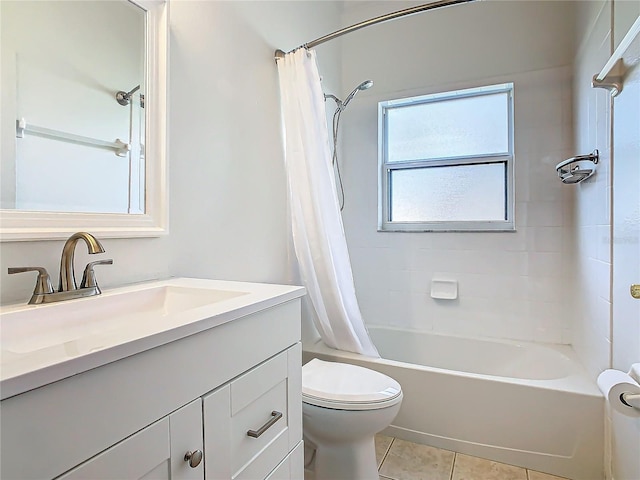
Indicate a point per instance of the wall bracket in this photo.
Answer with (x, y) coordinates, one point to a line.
(613, 84)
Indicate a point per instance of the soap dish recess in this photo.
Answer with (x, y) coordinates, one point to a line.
(444, 289)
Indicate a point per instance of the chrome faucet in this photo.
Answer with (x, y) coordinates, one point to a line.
(67, 289)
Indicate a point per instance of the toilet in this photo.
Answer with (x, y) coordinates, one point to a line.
(343, 407)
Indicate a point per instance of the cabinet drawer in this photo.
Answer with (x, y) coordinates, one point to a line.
(292, 467)
(264, 401)
(259, 406)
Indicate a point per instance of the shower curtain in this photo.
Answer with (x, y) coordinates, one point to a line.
(318, 234)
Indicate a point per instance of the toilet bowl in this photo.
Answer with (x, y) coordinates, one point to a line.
(343, 407)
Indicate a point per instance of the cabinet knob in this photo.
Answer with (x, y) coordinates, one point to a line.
(194, 458)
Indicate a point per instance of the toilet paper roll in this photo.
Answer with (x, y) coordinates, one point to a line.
(614, 383)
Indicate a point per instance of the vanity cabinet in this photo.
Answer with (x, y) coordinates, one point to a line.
(137, 417)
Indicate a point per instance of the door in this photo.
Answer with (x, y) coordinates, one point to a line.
(626, 259)
(156, 452)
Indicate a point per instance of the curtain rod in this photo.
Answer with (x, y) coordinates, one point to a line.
(373, 21)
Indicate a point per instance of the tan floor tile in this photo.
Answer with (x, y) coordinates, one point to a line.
(474, 468)
(383, 443)
(410, 461)
(533, 475)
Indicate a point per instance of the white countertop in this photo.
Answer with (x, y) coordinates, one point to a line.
(42, 344)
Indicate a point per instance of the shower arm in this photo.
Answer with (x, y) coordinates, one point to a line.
(333, 97)
(373, 21)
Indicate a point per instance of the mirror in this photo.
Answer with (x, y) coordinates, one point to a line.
(83, 118)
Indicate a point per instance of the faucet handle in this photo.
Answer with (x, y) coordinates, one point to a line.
(43, 283)
(89, 276)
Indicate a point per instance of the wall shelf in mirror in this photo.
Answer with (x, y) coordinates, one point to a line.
(54, 179)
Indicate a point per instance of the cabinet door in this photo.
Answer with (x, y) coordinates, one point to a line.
(292, 467)
(156, 452)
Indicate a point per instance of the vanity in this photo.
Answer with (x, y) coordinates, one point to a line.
(182, 378)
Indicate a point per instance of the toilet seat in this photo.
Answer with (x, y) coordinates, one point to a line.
(343, 386)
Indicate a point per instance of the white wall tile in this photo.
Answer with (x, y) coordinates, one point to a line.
(603, 243)
(494, 287)
(545, 239)
(546, 289)
(550, 320)
(544, 214)
(370, 262)
(410, 310)
(510, 283)
(414, 281)
(374, 306)
(546, 264)
(592, 328)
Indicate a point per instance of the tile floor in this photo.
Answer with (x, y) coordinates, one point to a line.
(402, 460)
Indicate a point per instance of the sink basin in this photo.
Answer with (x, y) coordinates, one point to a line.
(88, 319)
(41, 344)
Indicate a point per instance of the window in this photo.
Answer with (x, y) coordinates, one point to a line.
(446, 161)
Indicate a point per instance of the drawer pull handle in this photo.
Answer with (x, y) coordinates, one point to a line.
(275, 416)
(194, 458)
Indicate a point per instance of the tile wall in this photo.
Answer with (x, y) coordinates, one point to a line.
(592, 115)
(512, 284)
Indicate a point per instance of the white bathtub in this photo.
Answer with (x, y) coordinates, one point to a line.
(521, 403)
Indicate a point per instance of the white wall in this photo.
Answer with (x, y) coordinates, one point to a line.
(227, 183)
(228, 186)
(134, 260)
(512, 285)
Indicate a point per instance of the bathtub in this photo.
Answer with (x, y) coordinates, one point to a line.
(525, 404)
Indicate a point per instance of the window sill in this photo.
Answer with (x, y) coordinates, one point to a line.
(449, 227)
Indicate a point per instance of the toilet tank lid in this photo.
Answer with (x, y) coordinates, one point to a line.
(346, 384)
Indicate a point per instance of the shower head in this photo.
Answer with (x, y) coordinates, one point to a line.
(363, 86)
(341, 105)
(124, 98)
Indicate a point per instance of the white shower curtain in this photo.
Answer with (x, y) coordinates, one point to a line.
(318, 234)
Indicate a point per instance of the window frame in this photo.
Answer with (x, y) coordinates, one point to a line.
(385, 168)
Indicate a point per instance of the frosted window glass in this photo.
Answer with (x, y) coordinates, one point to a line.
(452, 193)
(456, 127)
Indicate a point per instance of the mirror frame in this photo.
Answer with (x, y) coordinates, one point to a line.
(16, 225)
